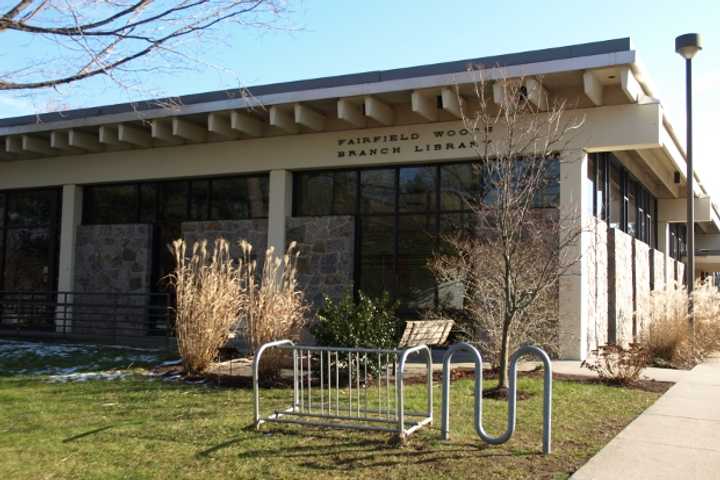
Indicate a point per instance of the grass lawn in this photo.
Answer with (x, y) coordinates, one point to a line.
(138, 427)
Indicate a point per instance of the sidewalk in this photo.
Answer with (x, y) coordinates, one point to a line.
(676, 438)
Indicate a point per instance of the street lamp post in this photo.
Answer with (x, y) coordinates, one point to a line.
(687, 46)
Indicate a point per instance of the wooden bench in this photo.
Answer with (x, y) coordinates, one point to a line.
(427, 332)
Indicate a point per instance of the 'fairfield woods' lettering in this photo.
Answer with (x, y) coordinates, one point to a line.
(387, 144)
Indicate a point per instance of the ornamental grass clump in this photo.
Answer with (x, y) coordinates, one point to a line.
(273, 306)
(669, 338)
(208, 297)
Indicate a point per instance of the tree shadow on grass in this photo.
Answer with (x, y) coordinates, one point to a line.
(344, 455)
(87, 434)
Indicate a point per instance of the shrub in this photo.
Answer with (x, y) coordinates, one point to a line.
(369, 322)
(667, 336)
(208, 298)
(617, 365)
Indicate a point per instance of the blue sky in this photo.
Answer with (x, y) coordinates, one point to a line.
(336, 37)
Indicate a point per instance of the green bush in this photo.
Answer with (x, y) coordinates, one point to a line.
(369, 322)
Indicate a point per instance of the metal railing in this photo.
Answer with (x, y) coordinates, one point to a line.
(109, 317)
(512, 394)
(348, 388)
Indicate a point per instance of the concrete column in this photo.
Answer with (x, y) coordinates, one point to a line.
(574, 284)
(70, 218)
(280, 208)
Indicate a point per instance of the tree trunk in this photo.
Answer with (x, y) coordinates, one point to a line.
(503, 378)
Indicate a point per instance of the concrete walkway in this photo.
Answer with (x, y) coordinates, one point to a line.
(676, 438)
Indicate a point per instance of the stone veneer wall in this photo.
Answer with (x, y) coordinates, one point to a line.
(112, 259)
(641, 285)
(620, 287)
(597, 264)
(327, 252)
(254, 231)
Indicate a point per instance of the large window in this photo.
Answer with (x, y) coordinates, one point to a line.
(400, 213)
(29, 239)
(621, 200)
(167, 204)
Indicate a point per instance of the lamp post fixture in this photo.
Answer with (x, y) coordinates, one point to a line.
(687, 46)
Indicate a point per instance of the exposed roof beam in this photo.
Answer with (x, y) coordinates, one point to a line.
(60, 139)
(451, 102)
(161, 129)
(379, 111)
(37, 145)
(189, 131)
(630, 85)
(537, 94)
(13, 144)
(246, 124)
(134, 135)
(309, 118)
(220, 124)
(424, 103)
(351, 111)
(282, 119)
(593, 88)
(108, 134)
(84, 141)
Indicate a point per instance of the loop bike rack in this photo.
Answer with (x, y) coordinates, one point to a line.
(512, 394)
(349, 388)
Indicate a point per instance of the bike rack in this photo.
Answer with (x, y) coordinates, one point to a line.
(512, 400)
(348, 388)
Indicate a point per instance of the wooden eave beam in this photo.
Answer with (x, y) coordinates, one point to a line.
(246, 124)
(108, 135)
(424, 104)
(36, 145)
(593, 88)
(451, 102)
(220, 124)
(189, 131)
(282, 119)
(379, 111)
(134, 135)
(350, 111)
(84, 141)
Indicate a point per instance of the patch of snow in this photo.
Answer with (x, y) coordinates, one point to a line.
(85, 376)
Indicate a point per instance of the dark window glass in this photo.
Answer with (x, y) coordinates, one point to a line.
(458, 184)
(230, 199)
(111, 204)
(148, 203)
(29, 259)
(616, 197)
(173, 201)
(199, 199)
(377, 194)
(632, 221)
(2, 210)
(600, 200)
(417, 189)
(258, 194)
(31, 208)
(377, 261)
(344, 192)
(416, 242)
(314, 194)
(550, 195)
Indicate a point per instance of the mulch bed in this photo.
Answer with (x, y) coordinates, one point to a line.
(243, 381)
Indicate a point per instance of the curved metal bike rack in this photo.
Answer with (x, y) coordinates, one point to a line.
(350, 388)
(512, 400)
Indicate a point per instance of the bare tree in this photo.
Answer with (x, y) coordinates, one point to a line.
(510, 255)
(115, 38)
